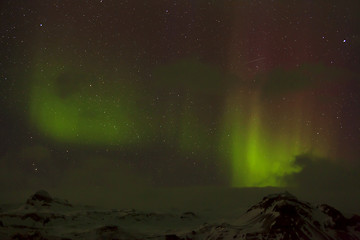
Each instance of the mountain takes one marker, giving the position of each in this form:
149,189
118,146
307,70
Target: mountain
283,216
277,216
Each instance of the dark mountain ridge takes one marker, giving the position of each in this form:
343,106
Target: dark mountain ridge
278,216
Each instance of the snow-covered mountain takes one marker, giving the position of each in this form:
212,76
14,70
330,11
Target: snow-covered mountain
277,216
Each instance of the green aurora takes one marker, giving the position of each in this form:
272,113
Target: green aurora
83,116
259,158
266,139
256,153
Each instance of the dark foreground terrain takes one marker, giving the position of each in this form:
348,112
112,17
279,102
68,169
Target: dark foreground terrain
277,216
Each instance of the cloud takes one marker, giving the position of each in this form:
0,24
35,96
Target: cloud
192,75
19,168
328,181
101,181
88,179
280,81
109,182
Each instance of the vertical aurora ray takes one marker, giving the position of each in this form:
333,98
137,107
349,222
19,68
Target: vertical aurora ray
264,143
267,137
255,151
237,151
283,111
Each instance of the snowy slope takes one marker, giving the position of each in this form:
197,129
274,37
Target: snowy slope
278,216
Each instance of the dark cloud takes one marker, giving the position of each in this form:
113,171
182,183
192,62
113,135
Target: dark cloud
93,179
20,169
101,181
109,182
326,180
194,76
281,81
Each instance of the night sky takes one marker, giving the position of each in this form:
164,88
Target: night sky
124,95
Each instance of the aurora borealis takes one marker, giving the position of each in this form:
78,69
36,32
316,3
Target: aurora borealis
178,93
79,114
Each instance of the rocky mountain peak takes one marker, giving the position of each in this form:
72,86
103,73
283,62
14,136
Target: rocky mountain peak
43,198
283,203
42,195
